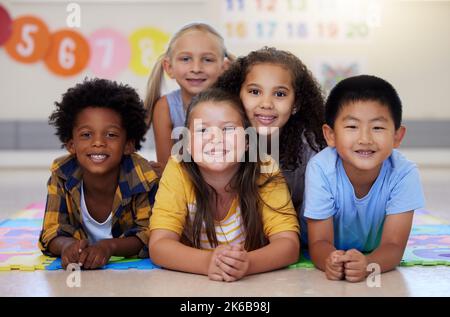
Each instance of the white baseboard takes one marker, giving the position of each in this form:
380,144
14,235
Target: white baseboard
429,157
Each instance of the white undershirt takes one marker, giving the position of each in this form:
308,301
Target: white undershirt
95,231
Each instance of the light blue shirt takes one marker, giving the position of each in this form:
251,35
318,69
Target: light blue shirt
176,109
358,222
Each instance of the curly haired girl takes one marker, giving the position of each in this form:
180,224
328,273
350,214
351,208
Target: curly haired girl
281,97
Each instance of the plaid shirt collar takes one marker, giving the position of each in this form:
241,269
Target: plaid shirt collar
129,184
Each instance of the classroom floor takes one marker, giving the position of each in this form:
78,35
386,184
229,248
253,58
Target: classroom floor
19,188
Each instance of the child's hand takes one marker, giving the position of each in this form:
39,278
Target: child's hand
355,266
157,167
214,272
95,256
71,252
334,265
234,263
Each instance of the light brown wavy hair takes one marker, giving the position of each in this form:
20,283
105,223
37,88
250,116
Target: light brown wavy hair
246,183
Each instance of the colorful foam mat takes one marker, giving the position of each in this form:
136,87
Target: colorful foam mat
428,245
18,245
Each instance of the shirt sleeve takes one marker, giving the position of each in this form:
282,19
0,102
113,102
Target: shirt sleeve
142,207
319,200
56,219
407,194
170,209
278,213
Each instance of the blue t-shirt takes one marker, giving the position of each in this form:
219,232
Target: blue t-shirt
358,222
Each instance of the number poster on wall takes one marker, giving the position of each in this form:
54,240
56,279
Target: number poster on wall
275,21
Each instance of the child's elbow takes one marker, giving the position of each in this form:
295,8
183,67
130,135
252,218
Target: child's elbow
156,249
153,250
293,249
154,254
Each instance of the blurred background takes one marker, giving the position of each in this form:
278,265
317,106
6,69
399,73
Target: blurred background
48,46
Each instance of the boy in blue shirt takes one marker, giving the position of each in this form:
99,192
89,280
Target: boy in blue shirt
360,193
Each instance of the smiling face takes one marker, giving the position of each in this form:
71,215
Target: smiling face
268,96
195,62
217,136
364,135
99,141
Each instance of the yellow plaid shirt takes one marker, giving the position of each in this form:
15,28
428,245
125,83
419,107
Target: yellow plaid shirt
132,205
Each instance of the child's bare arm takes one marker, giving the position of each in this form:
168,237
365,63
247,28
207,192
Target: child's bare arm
162,129
321,248
236,263
320,241
395,235
58,244
167,251
98,255
283,249
233,263
68,248
126,247
388,255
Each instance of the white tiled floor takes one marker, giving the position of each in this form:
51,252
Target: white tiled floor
21,187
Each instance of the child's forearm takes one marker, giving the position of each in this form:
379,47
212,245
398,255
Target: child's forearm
387,256
58,244
126,247
172,254
319,252
277,254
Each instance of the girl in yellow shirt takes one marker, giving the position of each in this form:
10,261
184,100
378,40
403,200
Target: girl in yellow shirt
218,212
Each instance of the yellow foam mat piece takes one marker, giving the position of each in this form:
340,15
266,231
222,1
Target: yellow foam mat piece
26,262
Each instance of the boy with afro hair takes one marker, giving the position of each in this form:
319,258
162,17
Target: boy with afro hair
100,195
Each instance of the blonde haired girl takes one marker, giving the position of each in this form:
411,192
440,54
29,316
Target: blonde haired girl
196,56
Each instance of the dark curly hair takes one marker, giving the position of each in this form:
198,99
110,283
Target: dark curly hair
309,101
100,93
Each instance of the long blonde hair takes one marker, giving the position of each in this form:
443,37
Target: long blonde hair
157,75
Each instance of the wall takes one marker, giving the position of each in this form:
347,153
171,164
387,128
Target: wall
410,48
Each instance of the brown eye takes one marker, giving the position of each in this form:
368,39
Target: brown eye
200,130
112,135
280,94
85,135
229,129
